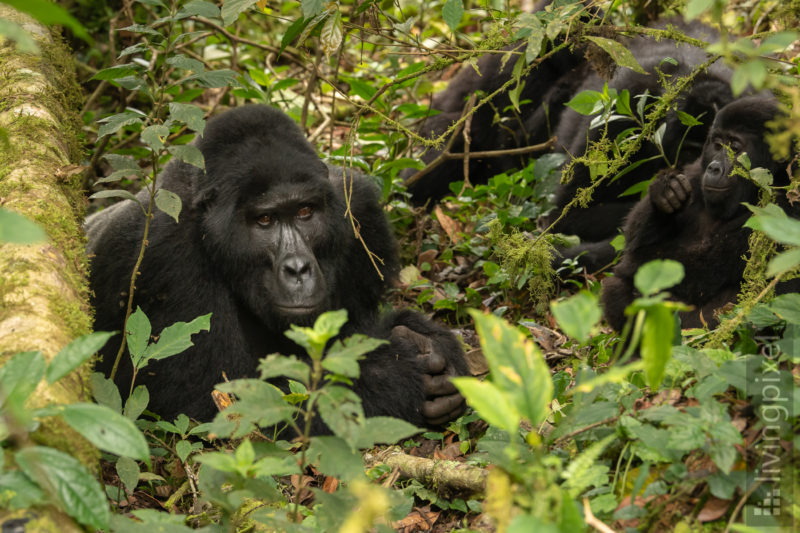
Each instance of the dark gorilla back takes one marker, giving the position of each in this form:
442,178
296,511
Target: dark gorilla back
263,242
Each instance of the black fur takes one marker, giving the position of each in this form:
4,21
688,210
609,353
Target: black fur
258,274
599,223
696,217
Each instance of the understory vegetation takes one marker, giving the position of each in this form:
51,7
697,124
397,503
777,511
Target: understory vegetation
571,426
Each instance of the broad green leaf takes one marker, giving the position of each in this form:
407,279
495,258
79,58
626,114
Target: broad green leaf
232,8
656,346
336,458
578,314
311,8
325,328
621,55
105,392
342,358
121,162
75,353
106,429
695,8
188,154
116,193
136,402
295,28
340,408
50,14
139,330
214,79
535,39
128,472
186,63
154,136
586,102
176,338
491,403
658,275
116,122
384,430
201,8
183,448
65,479
17,33
452,12
275,365
687,119
783,261
19,377
777,42
517,366
260,403
753,72
169,202
17,229
330,37
775,223
118,71
22,492
787,306
189,114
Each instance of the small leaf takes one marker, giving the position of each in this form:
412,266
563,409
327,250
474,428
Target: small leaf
169,202
17,33
586,102
76,490
695,8
136,402
106,429
186,63
183,449
17,229
154,136
330,37
232,8
116,193
116,122
311,8
188,154
19,377
621,55
75,353
656,344
214,79
176,338
139,330
105,392
201,8
118,71
577,315
658,275
385,430
189,114
452,12
128,472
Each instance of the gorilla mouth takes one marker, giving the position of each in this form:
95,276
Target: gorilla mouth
297,310
715,189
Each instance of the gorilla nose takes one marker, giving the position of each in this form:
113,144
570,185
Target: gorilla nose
296,268
714,169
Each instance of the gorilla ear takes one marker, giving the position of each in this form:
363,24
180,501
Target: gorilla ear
202,199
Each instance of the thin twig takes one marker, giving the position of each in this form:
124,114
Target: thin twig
592,520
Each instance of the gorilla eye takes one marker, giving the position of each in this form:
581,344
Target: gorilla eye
305,212
264,220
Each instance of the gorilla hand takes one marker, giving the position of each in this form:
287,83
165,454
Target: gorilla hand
443,402
670,191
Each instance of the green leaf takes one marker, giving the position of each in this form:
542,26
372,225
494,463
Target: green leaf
687,119
188,154
385,430
105,392
695,8
214,79
335,458
777,42
136,402
118,71
186,63
106,429
325,328
116,122
783,261
621,55
17,229
330,37
128,472
773,221
517,366
311,8
65,479
275,365
22,493
19,377
139,330
656,346
452,12
259,402
577,315
295,29
491,403
201,8
232,8
176,338
154,136
189,114
584,471
75,353
116,193
658,275
183,449
50,14
787,306
15,32
342,358
169,202
586,102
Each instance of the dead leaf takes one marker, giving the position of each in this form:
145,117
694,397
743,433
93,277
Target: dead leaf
450,226
330,484
428,256
713,509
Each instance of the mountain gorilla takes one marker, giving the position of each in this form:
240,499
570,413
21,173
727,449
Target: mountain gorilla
264,242
696,217
599,222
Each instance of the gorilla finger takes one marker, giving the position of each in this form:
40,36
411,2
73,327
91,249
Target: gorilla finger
662,204
677,188
443,405
422,342
432,362
684,182
452,415
672,200
438,385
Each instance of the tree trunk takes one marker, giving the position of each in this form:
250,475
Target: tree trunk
43,288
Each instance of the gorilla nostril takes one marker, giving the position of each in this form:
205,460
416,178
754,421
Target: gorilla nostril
297,267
